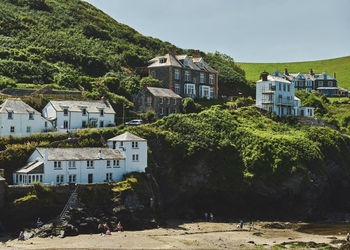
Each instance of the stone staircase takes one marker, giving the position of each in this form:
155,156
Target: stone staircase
72,202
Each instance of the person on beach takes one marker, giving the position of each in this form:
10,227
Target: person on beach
38,222
105,226
241,224
206,216
108,232
211,217
119,227
21,236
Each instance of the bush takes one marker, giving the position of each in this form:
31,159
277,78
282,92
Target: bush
189,106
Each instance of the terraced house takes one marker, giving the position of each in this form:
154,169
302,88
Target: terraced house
323,83
188,76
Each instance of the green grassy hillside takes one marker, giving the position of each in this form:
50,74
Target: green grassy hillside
339,65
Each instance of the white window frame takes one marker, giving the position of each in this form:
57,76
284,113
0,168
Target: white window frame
135,144
201,78
187,76
211,79
177,88
135,157
190,89
177,74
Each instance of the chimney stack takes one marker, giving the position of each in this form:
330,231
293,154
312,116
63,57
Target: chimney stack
264,76
311,72
100,154
286,72
334,75
172,50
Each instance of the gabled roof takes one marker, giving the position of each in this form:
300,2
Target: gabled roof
177,61
80,154
275,79
17,107
127,137
163,92
36,167
90,106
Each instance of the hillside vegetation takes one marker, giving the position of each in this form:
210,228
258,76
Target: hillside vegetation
72,44
339,65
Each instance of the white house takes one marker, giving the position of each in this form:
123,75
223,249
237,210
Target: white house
133,148
79,114
85,165
276,95
19,119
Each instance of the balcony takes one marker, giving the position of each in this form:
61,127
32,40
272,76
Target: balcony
269,90
285,102
267,101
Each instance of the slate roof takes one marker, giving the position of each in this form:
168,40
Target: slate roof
162,92
127,137
36,167
275,79
177,61
17,107
80,154
91,106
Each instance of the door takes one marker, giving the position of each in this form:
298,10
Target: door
65,124
90,178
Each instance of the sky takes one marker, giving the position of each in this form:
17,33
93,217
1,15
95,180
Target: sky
247,30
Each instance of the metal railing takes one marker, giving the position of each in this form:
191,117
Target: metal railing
72,199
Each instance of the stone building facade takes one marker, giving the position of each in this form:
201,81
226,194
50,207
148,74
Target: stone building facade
187,76
160,100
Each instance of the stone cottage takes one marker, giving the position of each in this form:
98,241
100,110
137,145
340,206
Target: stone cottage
160,100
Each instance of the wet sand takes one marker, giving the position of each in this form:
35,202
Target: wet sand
195,235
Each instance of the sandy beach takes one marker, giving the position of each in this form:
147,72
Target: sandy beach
177,235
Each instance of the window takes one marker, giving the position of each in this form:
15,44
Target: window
288,88
57,165
154,75
45,124
59,179
65,112
284,87
90,164
65,124
28,129
71,164
177,89
135,144
174,101
211,92
177,74
204,91
168,100
161,111
83,124
12,129
149,101
161,100
201,80
72,178
190,90
162,60
116,164
101,112
29,179
101,124
135,157
108,164
121,144
211,79
320,84
41,178
109,177
83,111
279,86
187,76
31,116
10,115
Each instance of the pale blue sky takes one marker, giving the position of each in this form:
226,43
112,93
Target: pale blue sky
247,30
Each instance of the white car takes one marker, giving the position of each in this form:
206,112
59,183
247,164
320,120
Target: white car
134,123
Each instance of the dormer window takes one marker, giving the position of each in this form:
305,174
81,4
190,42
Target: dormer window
83,111
101,112
162,60
65,111
31,115
10,115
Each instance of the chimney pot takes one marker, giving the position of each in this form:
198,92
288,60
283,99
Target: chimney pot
334,75
264,76
286,72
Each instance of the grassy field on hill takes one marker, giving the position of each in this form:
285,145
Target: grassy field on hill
339,65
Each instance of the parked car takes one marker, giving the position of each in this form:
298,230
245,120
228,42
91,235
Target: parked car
134,123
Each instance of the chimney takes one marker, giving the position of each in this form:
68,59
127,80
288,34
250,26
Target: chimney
99,154
264,76
334,75
311,72
172,50
286,72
